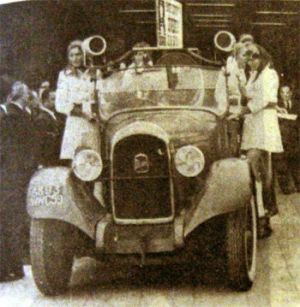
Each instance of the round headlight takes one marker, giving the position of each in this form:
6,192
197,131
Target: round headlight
189,161
87,165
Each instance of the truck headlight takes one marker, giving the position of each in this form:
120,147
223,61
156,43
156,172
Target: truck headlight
189,161
87,165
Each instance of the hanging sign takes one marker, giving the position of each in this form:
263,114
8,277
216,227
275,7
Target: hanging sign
169,29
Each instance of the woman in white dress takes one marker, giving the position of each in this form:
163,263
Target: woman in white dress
75,98
261,133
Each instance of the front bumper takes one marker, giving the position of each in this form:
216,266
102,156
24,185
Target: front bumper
112,238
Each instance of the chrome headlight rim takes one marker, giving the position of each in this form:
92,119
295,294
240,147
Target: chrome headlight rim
189,161
82,165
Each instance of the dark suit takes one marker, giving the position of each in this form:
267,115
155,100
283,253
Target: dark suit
17,163
49,133
294,108
287,163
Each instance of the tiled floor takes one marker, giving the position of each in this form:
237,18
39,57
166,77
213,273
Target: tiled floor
277,282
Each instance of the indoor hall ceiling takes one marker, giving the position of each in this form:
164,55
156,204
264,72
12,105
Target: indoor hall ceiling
232,13
220,14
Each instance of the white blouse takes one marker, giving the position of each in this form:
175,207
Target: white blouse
79,131
261,127
73,89
262,91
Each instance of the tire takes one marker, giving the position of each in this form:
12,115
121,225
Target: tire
241,247
52,249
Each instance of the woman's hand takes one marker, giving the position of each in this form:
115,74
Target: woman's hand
77,110
91,117
242,86
242,112
233,116
281,110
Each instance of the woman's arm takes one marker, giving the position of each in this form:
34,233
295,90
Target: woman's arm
221,92
266,91
62,103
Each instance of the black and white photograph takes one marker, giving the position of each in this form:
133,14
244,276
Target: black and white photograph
150,153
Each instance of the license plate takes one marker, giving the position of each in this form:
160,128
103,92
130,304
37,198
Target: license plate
46,195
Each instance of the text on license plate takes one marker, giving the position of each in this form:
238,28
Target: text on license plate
51,195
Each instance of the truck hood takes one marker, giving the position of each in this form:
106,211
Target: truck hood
182,127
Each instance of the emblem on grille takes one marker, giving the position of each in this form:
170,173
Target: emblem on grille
141,163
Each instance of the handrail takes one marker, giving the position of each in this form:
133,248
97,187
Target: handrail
199,57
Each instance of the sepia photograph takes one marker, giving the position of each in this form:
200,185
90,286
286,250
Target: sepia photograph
150,153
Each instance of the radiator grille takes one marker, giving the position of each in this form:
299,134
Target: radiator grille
141,183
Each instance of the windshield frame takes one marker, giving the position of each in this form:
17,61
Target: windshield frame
159,108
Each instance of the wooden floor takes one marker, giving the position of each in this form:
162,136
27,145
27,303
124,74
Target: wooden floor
277,282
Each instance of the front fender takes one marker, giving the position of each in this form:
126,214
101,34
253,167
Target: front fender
227,189
54,193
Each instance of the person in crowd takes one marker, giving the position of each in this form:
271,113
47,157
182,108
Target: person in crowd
3,109
233,74
33,104
133,78
16,146
6,82
141,58
228,94
61,118
287,163
227,90
45,85
286,104
49,131
75,98
32,109
261,135
235,61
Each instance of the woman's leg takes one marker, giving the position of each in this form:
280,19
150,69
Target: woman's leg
269,195
261,167
254,157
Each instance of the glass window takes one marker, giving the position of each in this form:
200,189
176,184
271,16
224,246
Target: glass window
158,87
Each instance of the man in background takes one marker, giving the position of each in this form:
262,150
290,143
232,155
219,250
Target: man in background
287,163
6,82
45,85
49,127
16,154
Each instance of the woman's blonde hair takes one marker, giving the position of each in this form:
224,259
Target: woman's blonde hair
237,48
264,55
75,44
72,45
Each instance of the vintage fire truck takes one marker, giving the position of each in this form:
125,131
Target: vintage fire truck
167,167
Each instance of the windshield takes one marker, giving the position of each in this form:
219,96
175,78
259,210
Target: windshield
172,86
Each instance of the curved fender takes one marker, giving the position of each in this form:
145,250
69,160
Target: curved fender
228,188
54,193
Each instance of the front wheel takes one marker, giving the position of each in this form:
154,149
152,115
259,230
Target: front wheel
52,248
241,247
